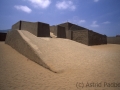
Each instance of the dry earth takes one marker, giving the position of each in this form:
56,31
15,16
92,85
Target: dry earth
101,71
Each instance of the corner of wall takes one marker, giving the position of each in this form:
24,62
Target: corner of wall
88,37
37,28
20,25
71,35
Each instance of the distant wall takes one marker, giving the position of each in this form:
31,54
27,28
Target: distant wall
59,31
70,26
88,37
37,28
67,29
3,36
80,36
64,25
75,27
96,38
43,29
113,40
53,29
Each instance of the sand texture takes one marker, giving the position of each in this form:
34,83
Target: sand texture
56,54
78,67
19,73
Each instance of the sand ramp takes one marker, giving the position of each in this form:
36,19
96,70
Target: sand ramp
53,53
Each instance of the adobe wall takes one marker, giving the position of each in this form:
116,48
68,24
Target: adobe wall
39,29
3,36
80,36
53,29
113,40
30,26
69,34
70,26
64,25
43,30
67,27
96,38
17,26
59,31
75,27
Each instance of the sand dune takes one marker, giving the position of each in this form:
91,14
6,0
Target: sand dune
98,65
78,67
57,54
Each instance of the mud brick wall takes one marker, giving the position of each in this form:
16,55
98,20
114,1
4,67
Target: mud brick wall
104,39
59,31
3,36
76,27
37,28
43,30
70,26
113,40
30,26
17,26
53,29
96,38
64,25
80,36
67,27
69,34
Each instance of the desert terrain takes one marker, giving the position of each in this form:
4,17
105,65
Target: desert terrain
102,72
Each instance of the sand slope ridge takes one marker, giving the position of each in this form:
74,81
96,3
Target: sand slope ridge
54,53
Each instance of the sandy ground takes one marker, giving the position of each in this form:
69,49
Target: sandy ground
19,73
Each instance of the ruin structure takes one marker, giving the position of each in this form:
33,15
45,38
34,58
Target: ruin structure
113,40
65,30
80,34
39,29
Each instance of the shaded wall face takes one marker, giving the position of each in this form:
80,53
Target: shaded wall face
75,27
69,34
43,30
104,39
67,31
80,36
29,26
64,25
3,36
113,40
69,25
17,26
61,33
96,39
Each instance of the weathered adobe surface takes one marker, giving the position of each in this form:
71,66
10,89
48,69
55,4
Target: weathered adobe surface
56,54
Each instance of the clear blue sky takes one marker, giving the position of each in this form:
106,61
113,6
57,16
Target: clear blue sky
102,16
